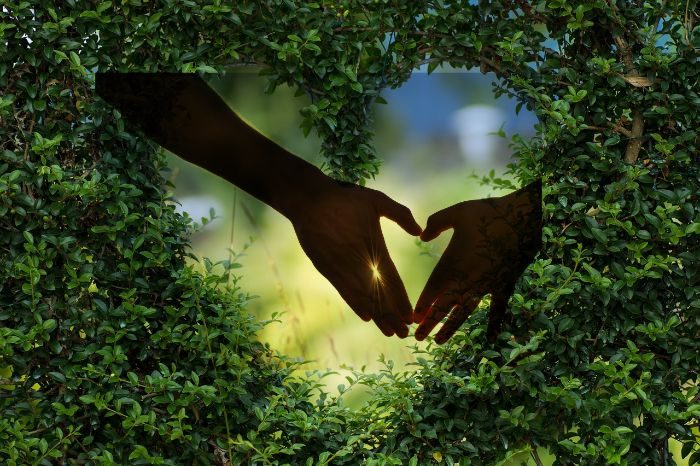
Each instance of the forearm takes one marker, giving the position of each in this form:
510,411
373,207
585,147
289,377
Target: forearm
184,115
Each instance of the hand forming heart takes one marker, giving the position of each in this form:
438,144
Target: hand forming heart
494,240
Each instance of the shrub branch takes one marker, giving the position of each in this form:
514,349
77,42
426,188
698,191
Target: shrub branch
635,143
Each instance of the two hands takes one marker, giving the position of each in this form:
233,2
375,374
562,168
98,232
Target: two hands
494,240
337,224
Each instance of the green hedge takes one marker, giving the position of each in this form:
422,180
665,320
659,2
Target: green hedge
114,351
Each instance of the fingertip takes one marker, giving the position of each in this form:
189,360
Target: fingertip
384,326
400,325
423,331
402,332
400,214
400,308
436,224
415,230
408,221
428,235
411,226
361,312
442,336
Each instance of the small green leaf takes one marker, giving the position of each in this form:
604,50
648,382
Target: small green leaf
74,58
693,228
599,235
58,377
49,324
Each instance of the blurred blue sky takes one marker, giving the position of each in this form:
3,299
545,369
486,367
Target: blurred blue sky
426,103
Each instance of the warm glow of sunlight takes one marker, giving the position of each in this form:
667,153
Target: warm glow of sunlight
375,272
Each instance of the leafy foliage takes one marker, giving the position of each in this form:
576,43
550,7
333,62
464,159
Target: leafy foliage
114,351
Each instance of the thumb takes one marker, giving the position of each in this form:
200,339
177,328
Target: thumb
399,213
437,223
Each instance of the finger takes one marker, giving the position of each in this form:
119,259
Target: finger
389,329
440,279
457,317
388,312
395,306
399,213
396,315
371,308
360,301
392,286
440,308
437,223
385,329
382,321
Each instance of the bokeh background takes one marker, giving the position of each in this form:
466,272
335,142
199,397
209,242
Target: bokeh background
436,135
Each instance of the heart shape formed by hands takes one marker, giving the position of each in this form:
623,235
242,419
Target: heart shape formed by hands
494,240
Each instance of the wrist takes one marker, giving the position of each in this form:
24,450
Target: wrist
300,191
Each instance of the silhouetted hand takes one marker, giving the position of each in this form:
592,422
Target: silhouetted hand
494,240
340,232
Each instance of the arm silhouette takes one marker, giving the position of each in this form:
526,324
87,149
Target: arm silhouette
493,242
337,224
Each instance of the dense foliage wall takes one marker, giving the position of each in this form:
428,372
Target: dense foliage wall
114,351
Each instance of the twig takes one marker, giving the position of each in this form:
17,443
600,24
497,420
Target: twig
535,455
626,55
492,65
635,143
687,21
618,128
